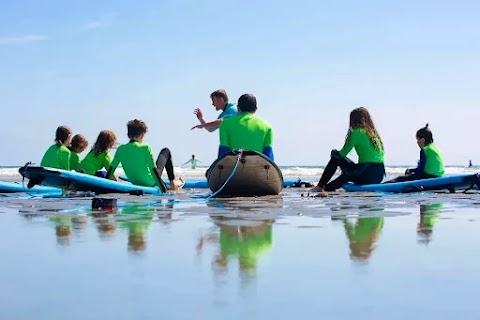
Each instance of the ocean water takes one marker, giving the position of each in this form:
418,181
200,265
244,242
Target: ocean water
181,256
309,173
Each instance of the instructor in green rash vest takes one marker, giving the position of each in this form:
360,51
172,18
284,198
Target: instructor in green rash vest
246,131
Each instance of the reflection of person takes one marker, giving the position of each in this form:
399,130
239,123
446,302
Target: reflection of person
63,229
106,224
138,219
245,242
364,138
428,217
430,164
220,102
193,162
362,235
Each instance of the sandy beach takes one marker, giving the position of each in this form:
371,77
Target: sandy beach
395,256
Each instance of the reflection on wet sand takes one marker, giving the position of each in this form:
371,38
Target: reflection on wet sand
63,229
429,214
240,240
363,235
134,217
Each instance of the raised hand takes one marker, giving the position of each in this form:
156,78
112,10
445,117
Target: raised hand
198,112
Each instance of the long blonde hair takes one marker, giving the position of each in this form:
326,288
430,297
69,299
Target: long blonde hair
360,119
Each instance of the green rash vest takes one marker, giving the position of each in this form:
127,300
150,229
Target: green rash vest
433,160
137,161
74,160
248,248
57,157
364,229
93,163
246,131
358,139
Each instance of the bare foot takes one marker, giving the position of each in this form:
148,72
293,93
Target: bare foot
177,185
322,194
316,189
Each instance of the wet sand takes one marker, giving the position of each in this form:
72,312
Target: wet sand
181,257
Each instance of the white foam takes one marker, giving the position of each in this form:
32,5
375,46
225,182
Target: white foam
289,172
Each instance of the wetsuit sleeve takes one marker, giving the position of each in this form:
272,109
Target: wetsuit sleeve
268,151
65,161
224,143
150,162
149,158
352,140
107,162
222,151
114,164
268,143
421,163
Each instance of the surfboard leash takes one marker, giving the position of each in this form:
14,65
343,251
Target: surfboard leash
239,153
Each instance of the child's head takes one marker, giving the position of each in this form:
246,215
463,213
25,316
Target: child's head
193,156
136,129
247,103
424,136
360,119
105,141
63,135
78,144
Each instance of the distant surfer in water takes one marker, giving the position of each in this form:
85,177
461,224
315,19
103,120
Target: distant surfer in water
470,163
430,164
193,162
220,102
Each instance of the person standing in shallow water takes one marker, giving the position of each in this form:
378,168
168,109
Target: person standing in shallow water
194,162
364,138
220,102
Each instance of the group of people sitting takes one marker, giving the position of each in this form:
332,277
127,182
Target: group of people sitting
364,138
239,127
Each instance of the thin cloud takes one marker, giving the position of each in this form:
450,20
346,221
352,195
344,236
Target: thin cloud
104,21
23,39
93,25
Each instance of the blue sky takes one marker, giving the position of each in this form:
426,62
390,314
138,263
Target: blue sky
94,65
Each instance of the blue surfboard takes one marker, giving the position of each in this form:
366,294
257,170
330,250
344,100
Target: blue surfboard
13,187
451,183
76,181
54,180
